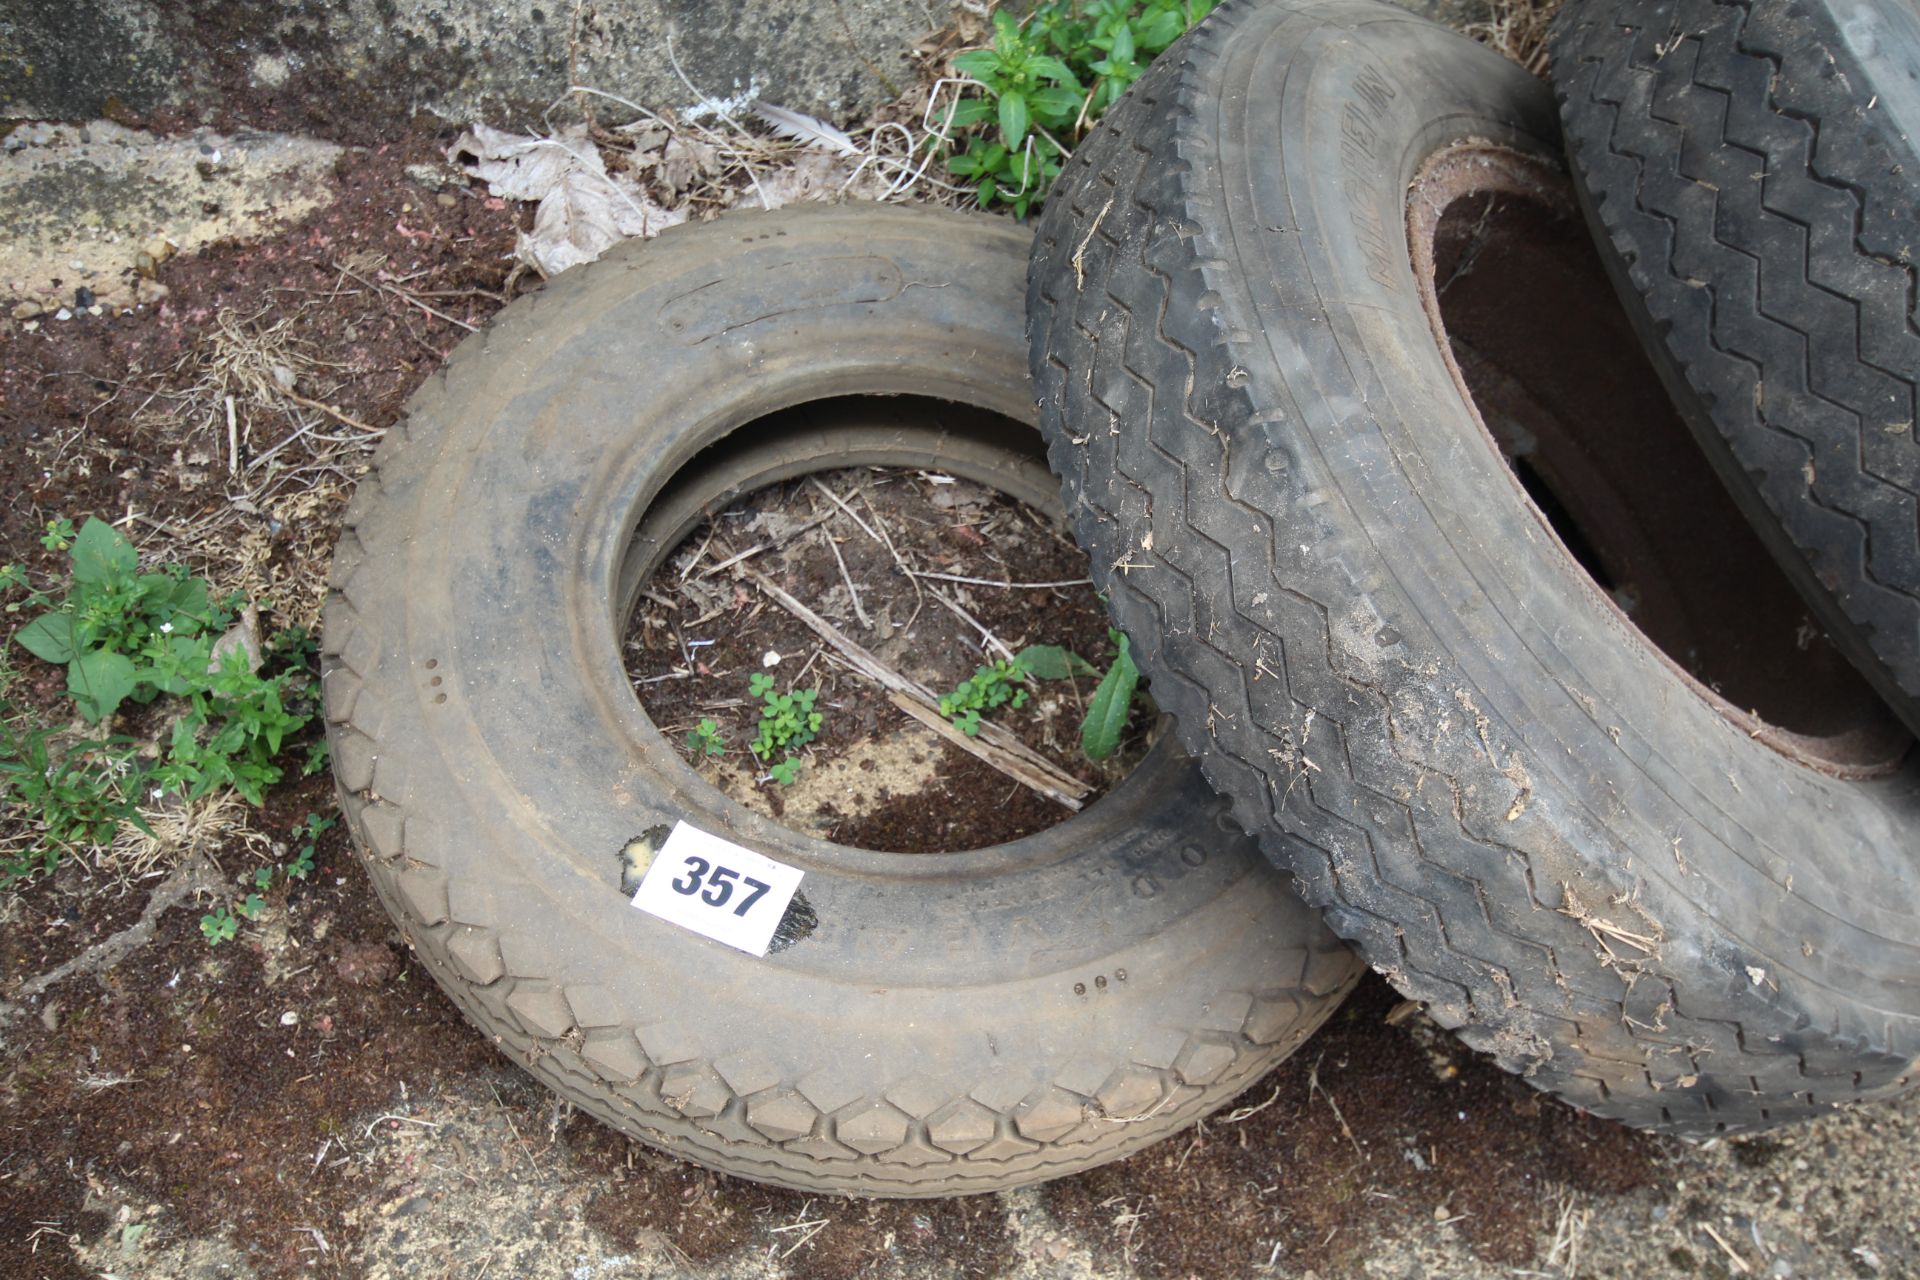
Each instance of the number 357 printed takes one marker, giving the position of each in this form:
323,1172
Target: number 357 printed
718,889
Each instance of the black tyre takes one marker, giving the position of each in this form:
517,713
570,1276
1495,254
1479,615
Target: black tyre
948,1022
1751,170
1469,704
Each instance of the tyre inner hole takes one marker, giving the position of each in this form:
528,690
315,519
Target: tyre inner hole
925,484
1552,364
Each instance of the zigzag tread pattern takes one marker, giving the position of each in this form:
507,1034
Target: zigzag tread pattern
735,1112
1219,569
1766,221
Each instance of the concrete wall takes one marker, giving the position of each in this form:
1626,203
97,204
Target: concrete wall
320,64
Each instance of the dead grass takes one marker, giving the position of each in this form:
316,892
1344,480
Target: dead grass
249,409
1518,28
180,830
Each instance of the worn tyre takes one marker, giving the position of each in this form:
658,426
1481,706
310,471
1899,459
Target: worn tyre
1752,171
1529,816
943,1023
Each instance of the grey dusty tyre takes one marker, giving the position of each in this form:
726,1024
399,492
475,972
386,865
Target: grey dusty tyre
1467,630
1752,170
943,1023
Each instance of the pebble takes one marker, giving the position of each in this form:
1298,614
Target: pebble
83,298
26,310
63,314
150,291
290,1018
436,177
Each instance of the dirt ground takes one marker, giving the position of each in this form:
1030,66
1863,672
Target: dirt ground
879,779
305,1102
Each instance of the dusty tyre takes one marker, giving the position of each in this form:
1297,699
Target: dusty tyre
948,1022
1487,769
1752,171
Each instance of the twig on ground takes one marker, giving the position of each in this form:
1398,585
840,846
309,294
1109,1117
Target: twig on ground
195,876
839,502
406,297
1739,1264
994,582
1314,1086
758,547
995,745
1016,769
1243,1113
853,592
1568,1230
696,557
379,1120
233,440
335,414
513,1128
988,640
886,540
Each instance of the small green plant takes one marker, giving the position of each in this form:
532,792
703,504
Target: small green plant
308,833
706,740
14,578
1044,80
1107,711
59,535
59,789
70,794
219,926
787,722
230,734
989,687
127,636
1000,684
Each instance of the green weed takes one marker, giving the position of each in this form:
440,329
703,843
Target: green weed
308,833
787,722
1043,82
219,926
989,687
67,793
706,740
1112,702
130,637
1001,684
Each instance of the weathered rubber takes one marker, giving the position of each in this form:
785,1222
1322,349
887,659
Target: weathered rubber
1523,814
1751,170
953,1022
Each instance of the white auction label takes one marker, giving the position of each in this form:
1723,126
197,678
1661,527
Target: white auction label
718,889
